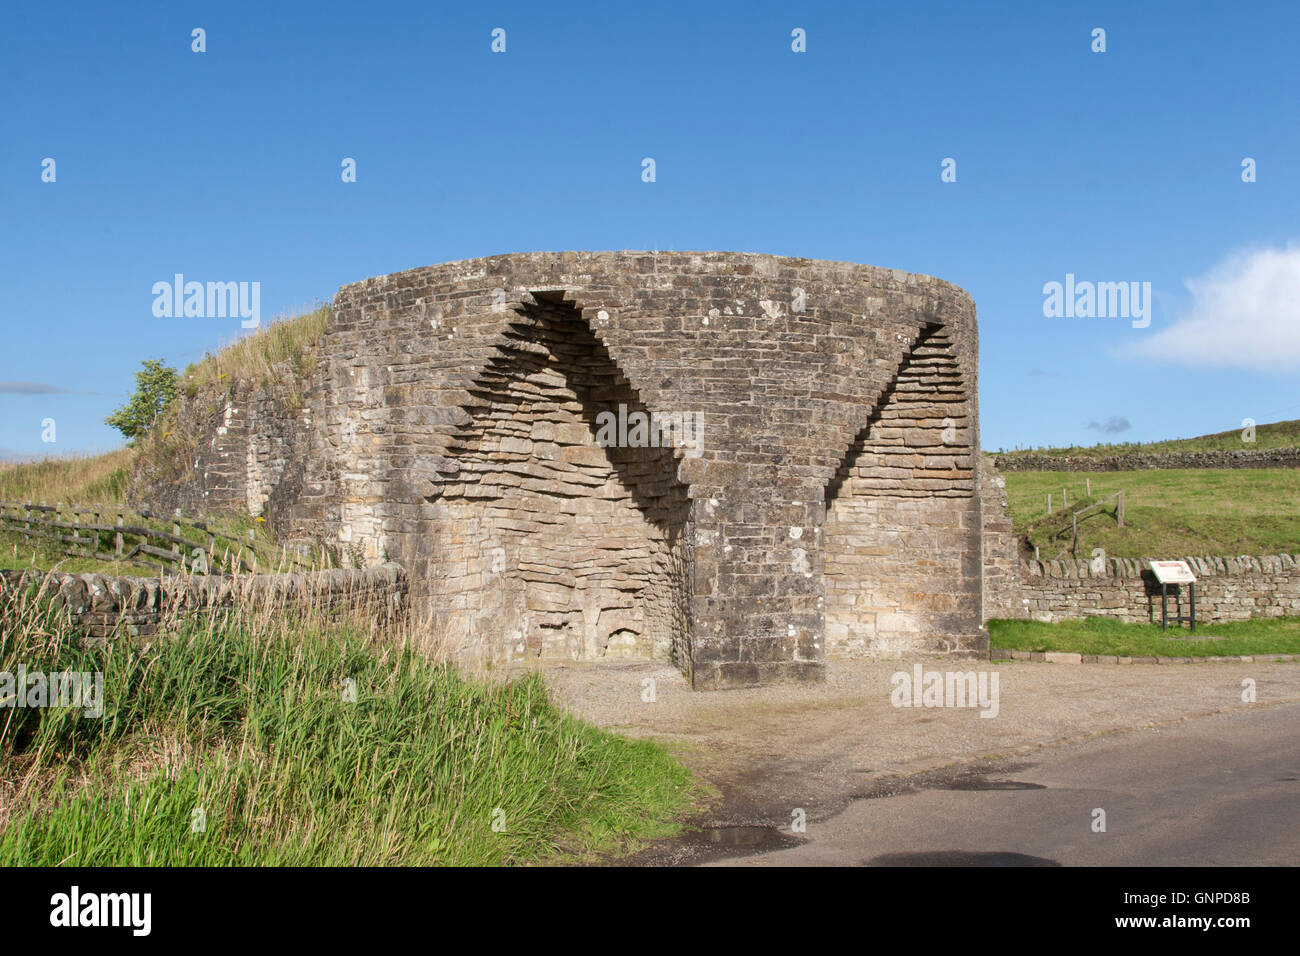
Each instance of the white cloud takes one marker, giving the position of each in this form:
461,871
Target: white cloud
1245,313
1111,426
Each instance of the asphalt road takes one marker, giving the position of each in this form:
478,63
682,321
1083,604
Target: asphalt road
1220,790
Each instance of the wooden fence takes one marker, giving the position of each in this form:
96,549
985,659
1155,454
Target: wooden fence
1073,526
112,533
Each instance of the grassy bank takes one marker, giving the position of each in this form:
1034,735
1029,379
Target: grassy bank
247,725
18,552
1097,635
104,480
1169,514
261,356
83,479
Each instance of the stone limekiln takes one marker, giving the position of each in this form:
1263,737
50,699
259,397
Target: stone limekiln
828,505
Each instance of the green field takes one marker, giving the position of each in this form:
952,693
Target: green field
1168,514
1275,435
1098,635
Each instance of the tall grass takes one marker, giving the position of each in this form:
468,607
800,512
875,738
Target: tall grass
80,479
243,722
260,356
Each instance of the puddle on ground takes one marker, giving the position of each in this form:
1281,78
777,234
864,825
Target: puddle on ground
959,858
721,841
756,839
965,779
980,783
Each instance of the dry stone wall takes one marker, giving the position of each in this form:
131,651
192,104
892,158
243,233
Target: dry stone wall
1227,589
1145,461
829,504
108,605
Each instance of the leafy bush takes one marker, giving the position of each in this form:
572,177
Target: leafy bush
156,387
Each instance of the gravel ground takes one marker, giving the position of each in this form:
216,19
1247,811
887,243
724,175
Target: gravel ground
770,750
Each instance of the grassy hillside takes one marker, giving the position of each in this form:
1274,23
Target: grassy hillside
83,479
283,347
263,355
1169,514
103,480
1276,435
296,740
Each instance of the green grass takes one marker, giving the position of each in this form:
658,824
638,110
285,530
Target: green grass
246,721
260,356
17,552
1276,435
104,480
1097,635
1168,514
75,479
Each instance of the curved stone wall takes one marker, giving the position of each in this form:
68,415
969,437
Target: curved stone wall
806,487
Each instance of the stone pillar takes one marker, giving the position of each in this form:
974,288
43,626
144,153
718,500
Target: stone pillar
758,612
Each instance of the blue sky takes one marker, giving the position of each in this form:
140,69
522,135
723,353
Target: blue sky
225,165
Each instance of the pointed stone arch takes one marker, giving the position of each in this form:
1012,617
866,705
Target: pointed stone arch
544,541
902,567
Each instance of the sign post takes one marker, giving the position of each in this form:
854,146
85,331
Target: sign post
1175,573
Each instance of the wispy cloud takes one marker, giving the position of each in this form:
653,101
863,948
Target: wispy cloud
34,388
1111,426
1245,313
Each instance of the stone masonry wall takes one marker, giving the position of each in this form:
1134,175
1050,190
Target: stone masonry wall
551,545
106,605
1227,589
449,425
250,450
1143,461
1003,597
901,559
